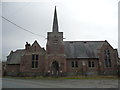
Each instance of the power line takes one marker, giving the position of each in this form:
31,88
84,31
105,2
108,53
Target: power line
21,27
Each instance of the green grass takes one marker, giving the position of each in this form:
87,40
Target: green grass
93,77
69,78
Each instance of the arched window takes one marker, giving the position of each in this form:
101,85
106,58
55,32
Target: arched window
107,58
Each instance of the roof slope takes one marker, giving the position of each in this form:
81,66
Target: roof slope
73,49
82,49
15,57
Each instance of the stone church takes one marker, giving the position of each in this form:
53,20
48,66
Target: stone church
63,57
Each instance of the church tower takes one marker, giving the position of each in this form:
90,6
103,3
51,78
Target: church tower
56,62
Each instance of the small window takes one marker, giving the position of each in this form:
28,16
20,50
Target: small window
91,64
76,63
72,64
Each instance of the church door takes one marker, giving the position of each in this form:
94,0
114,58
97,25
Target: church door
55,68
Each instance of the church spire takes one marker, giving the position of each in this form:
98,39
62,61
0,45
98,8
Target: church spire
55,22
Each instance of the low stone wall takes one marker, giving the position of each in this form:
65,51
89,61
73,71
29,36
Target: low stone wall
12,74
46,74
108,73
80,73
30,74
92,73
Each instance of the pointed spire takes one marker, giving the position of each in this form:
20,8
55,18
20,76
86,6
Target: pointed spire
55,22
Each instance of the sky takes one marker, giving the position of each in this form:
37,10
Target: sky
79,20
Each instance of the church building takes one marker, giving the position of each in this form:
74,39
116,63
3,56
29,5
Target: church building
63,57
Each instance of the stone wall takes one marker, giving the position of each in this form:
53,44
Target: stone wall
12,70
26,64
114,59
83,68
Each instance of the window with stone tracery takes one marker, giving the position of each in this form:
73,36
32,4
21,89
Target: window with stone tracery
34,61
107,58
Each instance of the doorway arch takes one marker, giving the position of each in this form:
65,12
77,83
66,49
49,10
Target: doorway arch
55,68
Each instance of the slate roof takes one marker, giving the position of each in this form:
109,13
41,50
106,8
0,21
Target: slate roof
73,49
15,57
82,49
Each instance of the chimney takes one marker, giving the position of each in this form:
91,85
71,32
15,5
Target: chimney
27,46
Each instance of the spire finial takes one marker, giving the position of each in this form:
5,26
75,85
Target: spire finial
55,21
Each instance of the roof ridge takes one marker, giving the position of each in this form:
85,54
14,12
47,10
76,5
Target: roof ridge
85,41
20,49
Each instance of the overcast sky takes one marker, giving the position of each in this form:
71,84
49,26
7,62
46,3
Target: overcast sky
93,20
